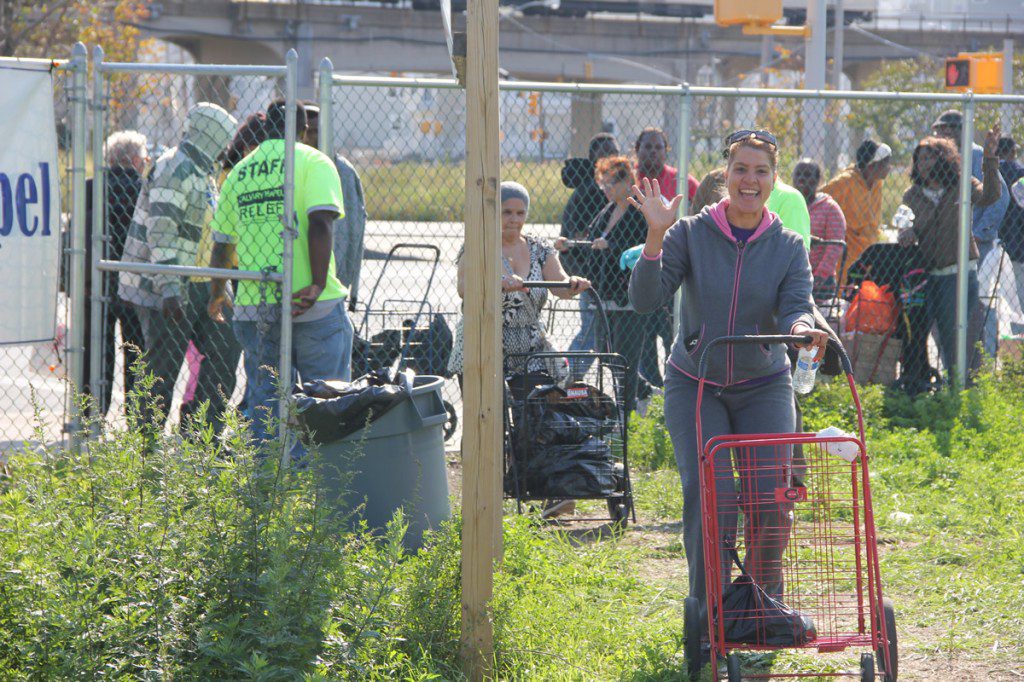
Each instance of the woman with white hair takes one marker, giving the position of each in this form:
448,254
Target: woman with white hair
125,156
524,257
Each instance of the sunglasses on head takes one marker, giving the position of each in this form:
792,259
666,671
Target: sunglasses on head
762,135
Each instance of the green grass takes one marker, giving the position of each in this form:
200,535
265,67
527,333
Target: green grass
151,557
410,191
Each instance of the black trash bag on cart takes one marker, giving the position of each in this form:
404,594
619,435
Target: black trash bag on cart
379,353
558,445
429,347
582,470
752,616
329,410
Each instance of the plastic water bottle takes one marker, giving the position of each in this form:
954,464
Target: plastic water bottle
806,369
903,218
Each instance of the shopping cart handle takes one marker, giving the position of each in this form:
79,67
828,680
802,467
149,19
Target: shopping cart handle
769,338
540,284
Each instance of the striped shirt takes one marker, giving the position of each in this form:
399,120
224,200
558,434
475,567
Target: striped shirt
168,223
827,222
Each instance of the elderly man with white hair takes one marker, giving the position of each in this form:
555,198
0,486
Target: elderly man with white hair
176,202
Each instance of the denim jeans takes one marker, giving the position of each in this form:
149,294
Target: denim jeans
659,326
941,305
585,339
321,349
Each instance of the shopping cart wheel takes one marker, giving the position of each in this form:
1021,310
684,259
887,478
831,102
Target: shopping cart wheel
452,422
867,668
691,629
619,511
889,613
732,667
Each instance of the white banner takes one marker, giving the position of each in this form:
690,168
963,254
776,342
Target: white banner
29,206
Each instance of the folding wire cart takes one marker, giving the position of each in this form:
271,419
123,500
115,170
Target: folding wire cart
811,578
405,330
565,438
830,302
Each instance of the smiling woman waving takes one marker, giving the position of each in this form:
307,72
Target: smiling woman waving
739,272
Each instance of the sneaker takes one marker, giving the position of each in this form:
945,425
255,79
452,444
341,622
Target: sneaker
558,508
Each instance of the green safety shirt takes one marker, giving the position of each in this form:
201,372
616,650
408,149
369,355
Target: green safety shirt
249,216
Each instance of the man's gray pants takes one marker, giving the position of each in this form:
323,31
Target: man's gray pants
763,408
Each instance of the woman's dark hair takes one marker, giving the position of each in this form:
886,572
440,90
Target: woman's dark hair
602,145
250,134
650,130
754,143
275,118
865,153
947,162
614,169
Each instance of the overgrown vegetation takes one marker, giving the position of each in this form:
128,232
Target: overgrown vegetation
185,557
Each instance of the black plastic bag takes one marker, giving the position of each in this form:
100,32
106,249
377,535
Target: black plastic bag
329,410
379,353
581,470
752,616
429,347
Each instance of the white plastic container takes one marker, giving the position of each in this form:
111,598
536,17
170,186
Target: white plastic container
846,450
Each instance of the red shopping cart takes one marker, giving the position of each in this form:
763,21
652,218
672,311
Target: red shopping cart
811,576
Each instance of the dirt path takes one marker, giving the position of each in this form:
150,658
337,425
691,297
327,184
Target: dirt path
921,659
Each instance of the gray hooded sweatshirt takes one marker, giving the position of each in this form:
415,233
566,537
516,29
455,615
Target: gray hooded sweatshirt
728,288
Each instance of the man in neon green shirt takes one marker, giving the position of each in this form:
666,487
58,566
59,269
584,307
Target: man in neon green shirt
791,207
248,222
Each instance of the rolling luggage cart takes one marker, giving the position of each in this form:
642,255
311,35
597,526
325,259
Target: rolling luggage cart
830,303
811,578
403,331
565,435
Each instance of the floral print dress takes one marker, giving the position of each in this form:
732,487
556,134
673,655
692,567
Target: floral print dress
522,331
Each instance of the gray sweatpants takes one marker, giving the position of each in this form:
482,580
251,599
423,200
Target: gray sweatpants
764,408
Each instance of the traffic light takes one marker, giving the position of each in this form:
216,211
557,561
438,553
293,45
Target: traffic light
742,12
980,72
958,73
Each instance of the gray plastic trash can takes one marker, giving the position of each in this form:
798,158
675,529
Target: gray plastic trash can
396,461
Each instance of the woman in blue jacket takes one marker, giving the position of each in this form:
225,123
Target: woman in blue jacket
740,272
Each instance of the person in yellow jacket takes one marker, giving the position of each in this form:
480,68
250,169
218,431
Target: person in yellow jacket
858,191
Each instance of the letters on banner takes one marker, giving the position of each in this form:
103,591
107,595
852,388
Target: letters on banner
29,206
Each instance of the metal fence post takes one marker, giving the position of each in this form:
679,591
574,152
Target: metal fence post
325,97
964,241
74,345
685,118
99,232
288,234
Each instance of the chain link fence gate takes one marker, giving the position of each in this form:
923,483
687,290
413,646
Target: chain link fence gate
33,389
172,221
405,136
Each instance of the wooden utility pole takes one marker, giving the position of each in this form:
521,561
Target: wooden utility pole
482,352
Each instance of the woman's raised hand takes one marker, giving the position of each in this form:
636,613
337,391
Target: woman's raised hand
992,140
659,215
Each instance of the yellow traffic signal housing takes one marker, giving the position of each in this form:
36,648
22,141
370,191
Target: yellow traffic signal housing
747,12
980,72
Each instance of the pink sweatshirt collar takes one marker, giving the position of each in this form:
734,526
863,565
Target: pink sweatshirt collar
717,213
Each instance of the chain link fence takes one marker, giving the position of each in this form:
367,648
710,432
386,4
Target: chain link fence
845,166
851,160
